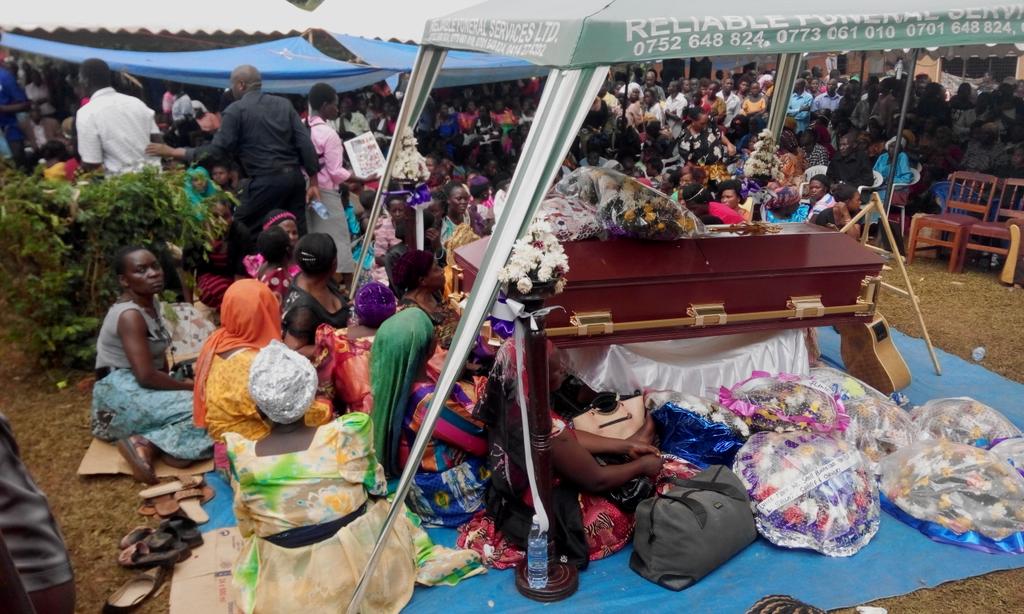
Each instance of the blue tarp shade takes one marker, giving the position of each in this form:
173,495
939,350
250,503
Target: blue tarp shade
460,67
289,65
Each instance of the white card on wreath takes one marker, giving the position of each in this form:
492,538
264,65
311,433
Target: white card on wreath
365,155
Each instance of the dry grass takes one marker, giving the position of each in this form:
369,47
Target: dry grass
962,311
52,426
50,417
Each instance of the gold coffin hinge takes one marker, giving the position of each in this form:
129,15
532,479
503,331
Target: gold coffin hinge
589,323
806,306
708,314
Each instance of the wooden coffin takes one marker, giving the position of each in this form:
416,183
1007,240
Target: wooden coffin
626,291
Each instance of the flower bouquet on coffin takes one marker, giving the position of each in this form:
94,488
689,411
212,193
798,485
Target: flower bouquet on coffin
538,261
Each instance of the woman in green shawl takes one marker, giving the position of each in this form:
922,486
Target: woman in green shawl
198,186
452,476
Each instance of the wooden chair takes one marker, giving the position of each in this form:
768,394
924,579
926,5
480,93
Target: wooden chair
967,203
993,237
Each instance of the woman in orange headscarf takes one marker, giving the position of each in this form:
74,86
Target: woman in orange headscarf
250,319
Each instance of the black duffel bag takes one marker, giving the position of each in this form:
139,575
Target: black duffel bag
688,532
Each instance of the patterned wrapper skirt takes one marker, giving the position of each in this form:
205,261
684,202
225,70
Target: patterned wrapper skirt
121,408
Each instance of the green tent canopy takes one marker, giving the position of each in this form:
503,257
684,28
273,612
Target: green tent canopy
600,32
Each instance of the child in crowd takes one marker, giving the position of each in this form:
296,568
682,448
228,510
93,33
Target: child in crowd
276,249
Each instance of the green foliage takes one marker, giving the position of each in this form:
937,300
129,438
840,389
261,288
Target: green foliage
57,242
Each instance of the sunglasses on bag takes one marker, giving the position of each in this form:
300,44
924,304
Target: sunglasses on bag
608,402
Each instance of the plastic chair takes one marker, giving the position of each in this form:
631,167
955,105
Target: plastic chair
877,181
901,190
996,234
965,203
809,174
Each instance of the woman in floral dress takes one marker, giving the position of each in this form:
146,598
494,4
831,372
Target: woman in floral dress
309,503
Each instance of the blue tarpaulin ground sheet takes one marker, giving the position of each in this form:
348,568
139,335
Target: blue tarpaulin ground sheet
898,560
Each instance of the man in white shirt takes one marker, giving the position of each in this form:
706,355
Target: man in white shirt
733,101
351,119
675,106
829,101
113,129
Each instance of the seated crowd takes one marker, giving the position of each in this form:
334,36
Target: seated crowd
311,402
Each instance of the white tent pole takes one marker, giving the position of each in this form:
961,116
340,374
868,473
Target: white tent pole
563,106
786,71
424,73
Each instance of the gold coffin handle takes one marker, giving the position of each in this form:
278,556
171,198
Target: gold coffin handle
708,314
589,323
806,306
457,280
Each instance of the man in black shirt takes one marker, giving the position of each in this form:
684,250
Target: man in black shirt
272,144
850,165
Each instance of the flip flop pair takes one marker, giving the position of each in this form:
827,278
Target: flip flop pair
185,496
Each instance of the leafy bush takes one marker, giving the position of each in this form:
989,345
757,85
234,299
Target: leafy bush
56,247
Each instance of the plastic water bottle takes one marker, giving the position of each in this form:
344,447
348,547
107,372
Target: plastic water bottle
320,209
978,354
537,556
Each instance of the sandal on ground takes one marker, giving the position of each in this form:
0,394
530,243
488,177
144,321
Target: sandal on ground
133,451
135,591
190,501
141,555
185,529
135,535
173,486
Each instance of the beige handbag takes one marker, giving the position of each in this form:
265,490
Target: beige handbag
612,416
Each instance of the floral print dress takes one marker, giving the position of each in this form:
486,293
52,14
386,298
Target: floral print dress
333,478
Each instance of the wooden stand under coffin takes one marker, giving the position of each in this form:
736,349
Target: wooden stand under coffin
627,291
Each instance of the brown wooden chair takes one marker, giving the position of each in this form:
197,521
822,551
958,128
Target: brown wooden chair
967,203
994,237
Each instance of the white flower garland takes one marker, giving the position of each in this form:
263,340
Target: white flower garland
762,161
409,164
537,257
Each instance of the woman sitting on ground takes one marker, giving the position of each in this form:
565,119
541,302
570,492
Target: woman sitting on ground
310,503
249,322
419,282
219,267
589,525
135,402
847,205
314,298
451,480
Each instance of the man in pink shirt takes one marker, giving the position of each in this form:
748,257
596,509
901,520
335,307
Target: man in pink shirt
323,103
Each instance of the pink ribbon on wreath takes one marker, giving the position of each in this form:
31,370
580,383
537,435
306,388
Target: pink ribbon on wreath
746,409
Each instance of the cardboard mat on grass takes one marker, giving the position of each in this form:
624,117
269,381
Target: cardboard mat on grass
202,584
103,459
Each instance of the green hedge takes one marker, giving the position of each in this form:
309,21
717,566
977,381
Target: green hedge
57,241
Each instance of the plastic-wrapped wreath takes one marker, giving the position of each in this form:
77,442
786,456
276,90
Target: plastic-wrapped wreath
784,403
843,385
1012,451
956,493
628,208
878,428
809,490
963,420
